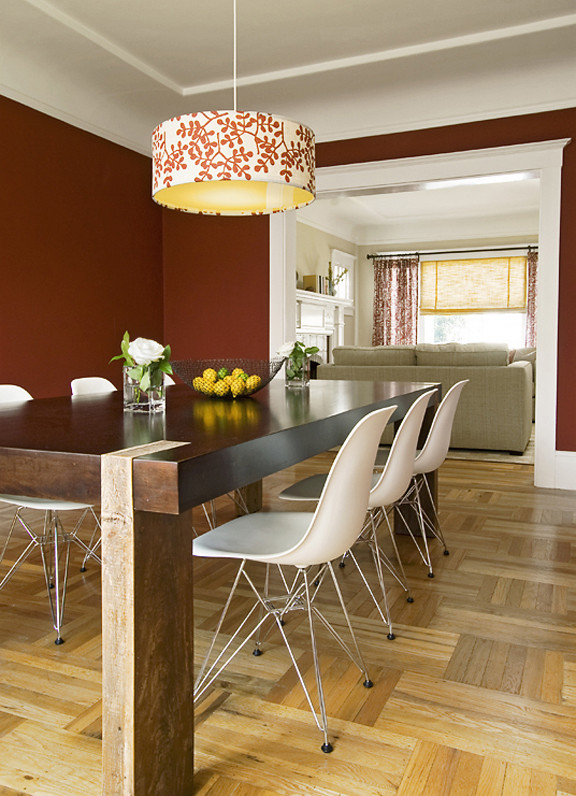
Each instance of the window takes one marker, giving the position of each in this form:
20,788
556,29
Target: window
343,273
480,299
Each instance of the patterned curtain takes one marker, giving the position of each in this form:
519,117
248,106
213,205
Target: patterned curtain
532,263
395,300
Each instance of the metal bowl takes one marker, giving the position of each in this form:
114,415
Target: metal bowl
204,375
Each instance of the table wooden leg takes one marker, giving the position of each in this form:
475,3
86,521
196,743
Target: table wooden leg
147,646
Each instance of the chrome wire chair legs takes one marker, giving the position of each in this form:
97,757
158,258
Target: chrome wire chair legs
54,545
92,549
298,595
428,525
53,542
209,509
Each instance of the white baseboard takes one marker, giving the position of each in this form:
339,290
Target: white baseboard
565,470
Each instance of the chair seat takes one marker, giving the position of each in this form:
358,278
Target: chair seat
43,504
311,488
263,536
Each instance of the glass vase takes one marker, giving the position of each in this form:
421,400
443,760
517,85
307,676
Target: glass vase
138,400
297,375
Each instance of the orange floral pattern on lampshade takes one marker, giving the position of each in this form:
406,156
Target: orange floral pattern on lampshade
228,147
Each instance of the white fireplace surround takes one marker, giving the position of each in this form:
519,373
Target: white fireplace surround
320,321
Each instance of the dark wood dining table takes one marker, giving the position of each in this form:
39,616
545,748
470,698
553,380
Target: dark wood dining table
147,473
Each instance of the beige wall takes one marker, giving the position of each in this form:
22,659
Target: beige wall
313,248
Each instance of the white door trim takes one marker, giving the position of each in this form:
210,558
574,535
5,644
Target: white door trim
553,469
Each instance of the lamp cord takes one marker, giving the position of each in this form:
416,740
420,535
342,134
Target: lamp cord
235,60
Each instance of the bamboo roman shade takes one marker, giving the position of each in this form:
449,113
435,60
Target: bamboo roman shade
479,285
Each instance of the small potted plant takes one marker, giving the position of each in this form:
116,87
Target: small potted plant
145,364
297,363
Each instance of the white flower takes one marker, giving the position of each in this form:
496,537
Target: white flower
286,349
144,351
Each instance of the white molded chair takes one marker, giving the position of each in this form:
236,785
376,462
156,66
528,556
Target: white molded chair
50,534
303,540
430,458
90,385
387,487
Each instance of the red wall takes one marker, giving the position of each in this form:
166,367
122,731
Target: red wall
494,133
80,252
86,254
216,285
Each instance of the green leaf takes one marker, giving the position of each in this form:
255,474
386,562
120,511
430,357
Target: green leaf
145,381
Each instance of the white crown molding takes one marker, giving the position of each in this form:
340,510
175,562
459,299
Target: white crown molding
74,121
101,41
343,133
405,230
329,229
391,54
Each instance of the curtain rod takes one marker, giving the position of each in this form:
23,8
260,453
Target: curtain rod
452,251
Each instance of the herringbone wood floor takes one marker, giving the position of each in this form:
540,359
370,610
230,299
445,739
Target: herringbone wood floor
477,694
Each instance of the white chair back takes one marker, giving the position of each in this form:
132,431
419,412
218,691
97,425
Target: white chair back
397,474
168,380
341,510
90,385
437,442
12,393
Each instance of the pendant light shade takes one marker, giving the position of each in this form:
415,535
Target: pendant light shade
232,163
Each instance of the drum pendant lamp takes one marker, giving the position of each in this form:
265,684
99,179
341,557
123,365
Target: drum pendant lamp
233,163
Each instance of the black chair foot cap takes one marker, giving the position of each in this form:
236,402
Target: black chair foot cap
368,684
282,622
341,565
409,599
430,574
327,747
316,584
446,552
82,569
256,652
391,636
59,641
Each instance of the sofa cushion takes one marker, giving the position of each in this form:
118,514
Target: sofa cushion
374,355
462,354
526,355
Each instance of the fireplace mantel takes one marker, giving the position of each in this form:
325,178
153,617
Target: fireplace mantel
320,320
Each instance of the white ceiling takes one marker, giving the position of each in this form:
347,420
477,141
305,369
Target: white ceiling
118,67
437,212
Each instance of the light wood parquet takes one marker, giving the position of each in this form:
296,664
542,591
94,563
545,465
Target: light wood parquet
476,695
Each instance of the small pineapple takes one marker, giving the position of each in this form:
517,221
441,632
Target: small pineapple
221,388
252,383
202,385
210,375
237,387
